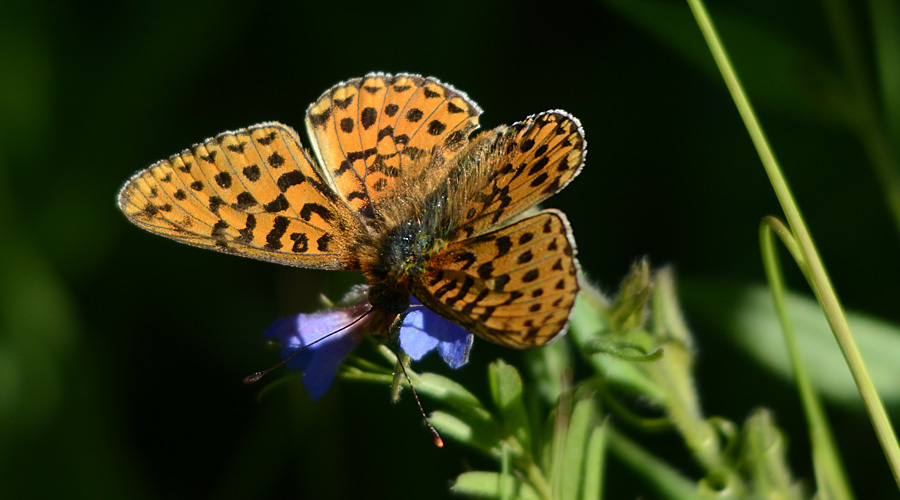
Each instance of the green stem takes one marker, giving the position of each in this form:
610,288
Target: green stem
824,449
537,479
684,408
817,276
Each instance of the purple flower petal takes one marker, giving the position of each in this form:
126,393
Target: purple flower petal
422,331
319,362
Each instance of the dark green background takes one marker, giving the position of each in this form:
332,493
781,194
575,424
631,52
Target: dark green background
122,353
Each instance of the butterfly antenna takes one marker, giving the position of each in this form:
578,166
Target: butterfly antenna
249,379
435,437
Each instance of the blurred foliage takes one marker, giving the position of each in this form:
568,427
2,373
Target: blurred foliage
121,353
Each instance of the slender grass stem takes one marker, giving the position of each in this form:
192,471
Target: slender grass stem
824,449
817,276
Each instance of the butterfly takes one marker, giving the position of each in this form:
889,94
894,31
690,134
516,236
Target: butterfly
399,184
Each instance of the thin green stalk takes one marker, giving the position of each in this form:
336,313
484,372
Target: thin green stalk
684,410
817,276
824,449
537,479
505,477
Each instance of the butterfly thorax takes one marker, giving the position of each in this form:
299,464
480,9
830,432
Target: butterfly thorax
419,220
402,253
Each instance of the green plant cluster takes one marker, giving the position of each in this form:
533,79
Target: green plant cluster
550,431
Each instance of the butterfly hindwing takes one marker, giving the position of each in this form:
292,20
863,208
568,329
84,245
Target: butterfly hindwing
253,192
514,286
368,131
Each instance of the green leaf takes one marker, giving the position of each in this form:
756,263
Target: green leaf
594,463
506,390
452,394
484,437
587,325
668,320
763,458
746,316
482,484
629,310
580,425
554,457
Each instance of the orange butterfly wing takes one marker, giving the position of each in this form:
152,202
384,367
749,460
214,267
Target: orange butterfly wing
514,286
369,131
252,192
539,157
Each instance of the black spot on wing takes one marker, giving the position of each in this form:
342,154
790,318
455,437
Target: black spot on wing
525,257
223,179
463,291
288,179
538,165
237,148
320,119
322,242
301,242
214,203
279,204
468,257
275,160
252,173
343,103
367,118
245,200
270,137
436,127
453,108
446,287
485,270
279,227
314,208
414,115
218,230
246,234
503,245
210,158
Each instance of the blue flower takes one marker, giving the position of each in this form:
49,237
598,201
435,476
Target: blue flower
420,332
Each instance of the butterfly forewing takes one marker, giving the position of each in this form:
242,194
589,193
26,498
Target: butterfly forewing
252,192
537,158
514,286
368,131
